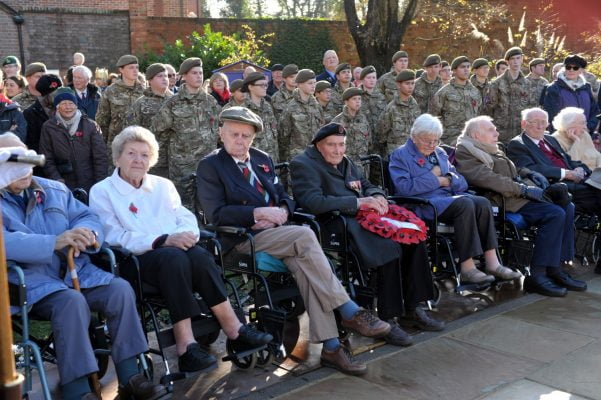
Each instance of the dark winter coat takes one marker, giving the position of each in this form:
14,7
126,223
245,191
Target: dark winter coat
559,95
11,115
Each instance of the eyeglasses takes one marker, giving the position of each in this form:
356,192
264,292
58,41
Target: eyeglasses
430,143
571,67
171,75
263,85
539,122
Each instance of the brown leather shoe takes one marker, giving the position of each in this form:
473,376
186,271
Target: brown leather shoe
367,324
342,360
140,388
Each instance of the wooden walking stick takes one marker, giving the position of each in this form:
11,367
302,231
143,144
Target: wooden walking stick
94,381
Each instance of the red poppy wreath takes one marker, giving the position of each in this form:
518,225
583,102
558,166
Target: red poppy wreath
398,224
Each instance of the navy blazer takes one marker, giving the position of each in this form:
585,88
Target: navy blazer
324,76
526,154
227,198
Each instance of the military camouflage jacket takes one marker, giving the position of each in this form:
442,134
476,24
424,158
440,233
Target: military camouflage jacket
279,100
536,90
455,104
337,102
25,98
328,111
358,133
425,90
394,125
372,106
113,108
508,98
268,139
387,84
484,89
233,103
298,123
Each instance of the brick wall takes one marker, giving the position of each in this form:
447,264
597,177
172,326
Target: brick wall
69,4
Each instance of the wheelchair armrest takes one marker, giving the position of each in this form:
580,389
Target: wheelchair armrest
229,230
302,217
121,252
410,200
371,157
205,235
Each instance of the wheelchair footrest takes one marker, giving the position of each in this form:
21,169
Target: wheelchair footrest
175,376
243,353
472,287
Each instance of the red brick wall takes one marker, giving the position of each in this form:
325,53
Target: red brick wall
69,4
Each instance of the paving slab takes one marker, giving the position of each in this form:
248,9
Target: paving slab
527,390
448,369
578,372
594,286
514,336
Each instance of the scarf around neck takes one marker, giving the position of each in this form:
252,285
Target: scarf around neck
71,124
481,151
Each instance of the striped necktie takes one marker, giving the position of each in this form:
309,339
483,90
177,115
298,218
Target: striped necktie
251,178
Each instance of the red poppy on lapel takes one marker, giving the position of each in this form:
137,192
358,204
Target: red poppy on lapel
265,167
133,209
421,162
474,103
78,134
38,197
355,185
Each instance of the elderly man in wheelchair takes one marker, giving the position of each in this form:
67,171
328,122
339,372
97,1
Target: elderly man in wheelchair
41,220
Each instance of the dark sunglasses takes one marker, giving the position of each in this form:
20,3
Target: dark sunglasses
572,67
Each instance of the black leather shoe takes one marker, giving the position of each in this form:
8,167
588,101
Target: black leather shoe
139,388
420,319
564,279
543,285
250,336
195,359
397,336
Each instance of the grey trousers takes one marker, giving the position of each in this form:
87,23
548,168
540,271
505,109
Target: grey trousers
69,314
320,289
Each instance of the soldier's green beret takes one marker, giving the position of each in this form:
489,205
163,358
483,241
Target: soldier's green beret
405,75
236,85
458,61
277,67
399,54
289,70
367,70
154,69
328,130
322,85
242,114
304,75
10,60
126,60
514,51
188,64
252,77
35,68
342,67
536,61
500,62
444,63
418,73
350,92
479,62
432,59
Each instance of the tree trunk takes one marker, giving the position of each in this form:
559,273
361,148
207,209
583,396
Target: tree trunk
380,36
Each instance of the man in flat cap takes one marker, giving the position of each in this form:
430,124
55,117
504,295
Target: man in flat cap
387,83
33,72
356,124
118,97
344,76
323,95
11,66
280,99
301,118
187,122
276,79
396,120
571,90
429,83
373,101
481,82
237,185
330,62
146,107
456,102
537,81
325,179
509,95
255,86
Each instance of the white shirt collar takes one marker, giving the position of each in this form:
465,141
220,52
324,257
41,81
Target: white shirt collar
125,188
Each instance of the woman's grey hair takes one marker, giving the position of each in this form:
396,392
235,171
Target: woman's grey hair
426,124
566,118
472,125
135,134
83,69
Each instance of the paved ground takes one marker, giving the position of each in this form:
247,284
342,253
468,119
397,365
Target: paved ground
501,345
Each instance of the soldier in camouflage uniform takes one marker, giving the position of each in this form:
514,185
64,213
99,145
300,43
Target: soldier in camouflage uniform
429,83
456,102
358,131
188,122
387,83
398,117
343,82
33,72
146,107
118,97
480,81
373,102
301,118
237,96
500,68
280,99
536,81
255,85
323,95
509,95
593,81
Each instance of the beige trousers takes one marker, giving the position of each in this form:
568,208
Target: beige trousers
320,289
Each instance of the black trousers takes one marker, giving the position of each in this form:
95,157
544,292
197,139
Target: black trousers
586,198
408,283
178,274
474,226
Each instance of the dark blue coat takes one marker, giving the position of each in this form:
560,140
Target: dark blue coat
89,105
324,76
10,115
559,95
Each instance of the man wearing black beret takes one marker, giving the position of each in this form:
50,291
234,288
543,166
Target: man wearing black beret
276,79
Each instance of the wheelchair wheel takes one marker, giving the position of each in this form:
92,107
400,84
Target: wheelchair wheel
247,362
264,357
293,307
596,248
209,339
437,291
100,344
